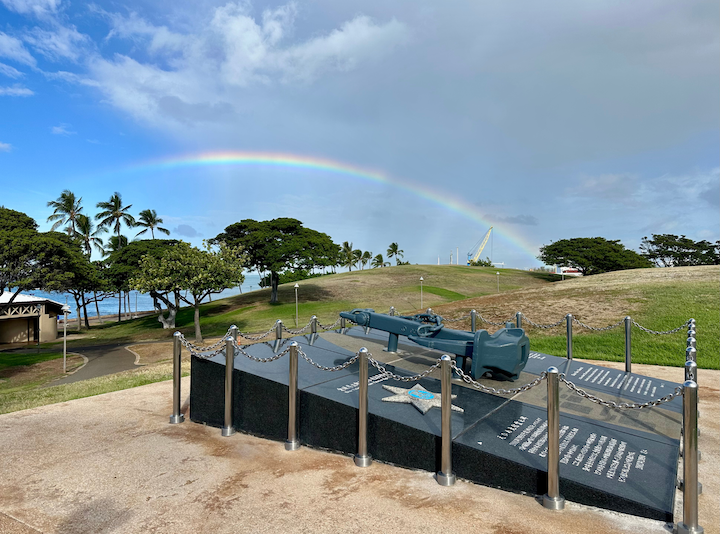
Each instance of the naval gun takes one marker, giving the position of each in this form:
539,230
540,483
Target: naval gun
502,354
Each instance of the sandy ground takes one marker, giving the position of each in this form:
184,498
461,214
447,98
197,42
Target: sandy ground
112,463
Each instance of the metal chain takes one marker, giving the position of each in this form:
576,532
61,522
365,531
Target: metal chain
257,338
621,405
330,327
261,360
501,391
192,346
658,333
380,367
204,356
297,332
322,367
621,321
553,325
490,322
458,319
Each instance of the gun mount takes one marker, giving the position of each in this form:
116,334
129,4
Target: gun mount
502,354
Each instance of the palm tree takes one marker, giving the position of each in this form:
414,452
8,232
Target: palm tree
366,257
114,213
356,256
88,235
346,255
149,219
65,210
378,261
393,250
115,243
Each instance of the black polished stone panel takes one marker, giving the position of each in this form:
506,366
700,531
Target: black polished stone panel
603,465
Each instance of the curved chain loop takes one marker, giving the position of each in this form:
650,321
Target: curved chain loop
660,333
329,327
296,332
553,325
257,338
491,322
620,405
487,389
610,327
323,368
199,348
261,360
456,320
380,367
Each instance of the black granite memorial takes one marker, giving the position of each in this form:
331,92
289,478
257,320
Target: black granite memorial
618,463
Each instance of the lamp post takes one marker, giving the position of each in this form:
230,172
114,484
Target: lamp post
38,308
66,310
296,305
498,280
421,292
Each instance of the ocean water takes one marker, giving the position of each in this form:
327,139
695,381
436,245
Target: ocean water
139,301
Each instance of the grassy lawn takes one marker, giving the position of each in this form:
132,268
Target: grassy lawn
14,359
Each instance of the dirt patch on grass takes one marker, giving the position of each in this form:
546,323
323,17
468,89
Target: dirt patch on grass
38,373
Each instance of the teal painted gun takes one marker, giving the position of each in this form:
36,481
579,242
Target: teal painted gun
502,354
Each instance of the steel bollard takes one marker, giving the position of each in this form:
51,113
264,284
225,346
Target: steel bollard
392,311
446,477
342,323
552,499
692,342
292,443
568,333
690,462
228,429
177,416
278,329
628,344
429,311
518,320
362,458
234,332
692,333
691,371
473,321
313,325
691,354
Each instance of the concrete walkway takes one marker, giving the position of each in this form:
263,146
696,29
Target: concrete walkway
112,463
101,360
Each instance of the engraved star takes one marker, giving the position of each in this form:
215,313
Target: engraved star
419,397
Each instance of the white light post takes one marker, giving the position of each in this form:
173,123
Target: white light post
498,280
66,310
421,292
296,305
38,308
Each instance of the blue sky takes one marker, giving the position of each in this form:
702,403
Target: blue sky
550,120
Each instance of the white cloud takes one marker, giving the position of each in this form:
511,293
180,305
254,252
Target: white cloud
10,72
12,48
16,90
5,147
62,42
62,129
39,8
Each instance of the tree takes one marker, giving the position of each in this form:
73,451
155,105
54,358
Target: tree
379,261
150,220
114,213
200,272
88,237
66,209
366,257
592,255
481,263
356,257
347,258
279,244
668,250
33,260
394,250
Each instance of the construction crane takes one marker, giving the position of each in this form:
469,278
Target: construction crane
480,246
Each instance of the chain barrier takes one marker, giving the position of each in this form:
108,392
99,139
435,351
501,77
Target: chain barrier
610,327
456,320
380,367
553,325
260,360
257,338
296,332
193,347
491,322
622,405
330,327
207,356
487,389
659,333
323,368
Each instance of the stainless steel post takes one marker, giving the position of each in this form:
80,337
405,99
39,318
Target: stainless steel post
473,321
552,499
569,320
177,416
692,332
362,458
228,429
313,325
692,342
392,311
628,344
234,331
292,442
518,320
429,311
691,354
691,371
445,477
278,329
690,462
342,323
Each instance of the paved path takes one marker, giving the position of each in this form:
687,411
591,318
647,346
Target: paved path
102,360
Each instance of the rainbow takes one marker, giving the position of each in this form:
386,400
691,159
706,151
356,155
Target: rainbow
270,159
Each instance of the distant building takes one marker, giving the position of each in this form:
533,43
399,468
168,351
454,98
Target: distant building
27,318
